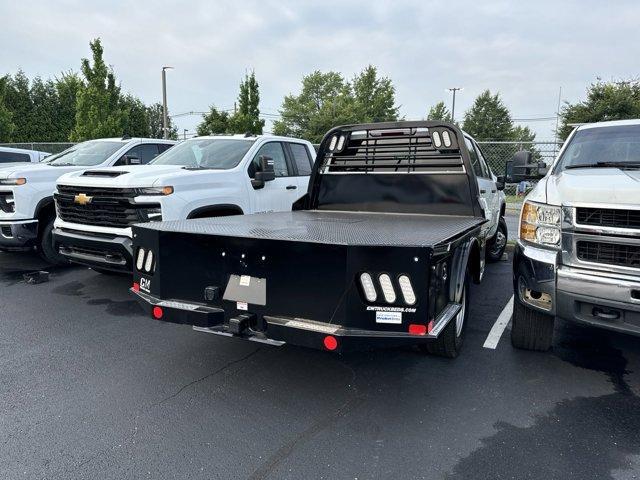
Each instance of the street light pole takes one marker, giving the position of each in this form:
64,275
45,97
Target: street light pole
165,115
453,105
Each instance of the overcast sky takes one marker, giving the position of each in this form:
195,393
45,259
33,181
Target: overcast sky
524,50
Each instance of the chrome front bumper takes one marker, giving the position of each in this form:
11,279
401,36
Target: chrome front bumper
607,300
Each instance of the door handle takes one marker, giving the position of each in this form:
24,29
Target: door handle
483,191
493,191
291,187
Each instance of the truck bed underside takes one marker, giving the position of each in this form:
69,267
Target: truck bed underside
331,227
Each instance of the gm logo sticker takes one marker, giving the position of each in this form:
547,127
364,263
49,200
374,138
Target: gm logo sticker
145,285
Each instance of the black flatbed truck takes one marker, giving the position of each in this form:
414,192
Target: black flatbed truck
380,252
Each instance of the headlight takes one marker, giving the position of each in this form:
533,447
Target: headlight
155,191
13,181
540,224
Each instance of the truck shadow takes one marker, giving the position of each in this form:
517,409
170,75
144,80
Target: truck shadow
581,437
13,265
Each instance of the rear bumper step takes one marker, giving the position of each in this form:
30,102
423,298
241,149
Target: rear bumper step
296,331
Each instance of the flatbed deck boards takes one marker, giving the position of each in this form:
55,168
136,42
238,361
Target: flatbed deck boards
330,227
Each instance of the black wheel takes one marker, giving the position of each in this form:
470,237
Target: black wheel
45,246
449,343
530,329
497,244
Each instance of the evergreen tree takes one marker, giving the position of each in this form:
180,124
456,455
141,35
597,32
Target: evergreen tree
488,118
67,87
154,115
17,99
43,116
6,117
98,112
136,117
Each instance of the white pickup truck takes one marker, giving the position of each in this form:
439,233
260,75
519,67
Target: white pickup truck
578,251
20,155
26,190
201,177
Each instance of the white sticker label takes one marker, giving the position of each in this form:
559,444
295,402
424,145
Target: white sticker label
245,280
243,306
388,317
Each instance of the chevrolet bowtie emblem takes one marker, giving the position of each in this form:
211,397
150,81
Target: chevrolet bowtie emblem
82,199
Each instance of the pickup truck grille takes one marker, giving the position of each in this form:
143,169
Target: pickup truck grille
609,253
608,217
105,207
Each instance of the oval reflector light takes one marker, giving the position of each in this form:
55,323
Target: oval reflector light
140,259
367,286
332,145
340,142
407,289
437,141
446,138
387,288
149,263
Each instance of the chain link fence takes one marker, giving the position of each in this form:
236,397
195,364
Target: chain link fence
497,153
49,147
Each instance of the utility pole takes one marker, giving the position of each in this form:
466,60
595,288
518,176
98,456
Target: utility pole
453,105
555,146
184,133
165,115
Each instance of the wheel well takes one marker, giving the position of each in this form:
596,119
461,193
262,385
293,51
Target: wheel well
474,263
45,211
215,211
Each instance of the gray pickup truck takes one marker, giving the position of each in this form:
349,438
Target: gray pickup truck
578,250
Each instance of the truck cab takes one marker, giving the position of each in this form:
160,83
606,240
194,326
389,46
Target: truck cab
578,252
27,210
203,177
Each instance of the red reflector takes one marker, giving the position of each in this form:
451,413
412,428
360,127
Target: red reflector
136,287
157,313
415,329
330,343
430,326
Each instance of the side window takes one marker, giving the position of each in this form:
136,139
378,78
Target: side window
275,151
483,163
145,152
6,157
475,161
163,147
301,157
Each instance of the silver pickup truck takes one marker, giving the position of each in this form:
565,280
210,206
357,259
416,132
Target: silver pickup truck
578,250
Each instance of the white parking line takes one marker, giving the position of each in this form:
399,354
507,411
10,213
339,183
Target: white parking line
498,328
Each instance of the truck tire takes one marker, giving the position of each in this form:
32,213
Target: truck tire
497,244
45,246
450,341
530,329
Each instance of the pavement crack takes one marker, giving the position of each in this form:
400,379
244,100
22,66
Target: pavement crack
280,455
207,376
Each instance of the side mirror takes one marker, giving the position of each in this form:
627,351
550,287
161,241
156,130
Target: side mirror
266,173
520,168
131,160
500,183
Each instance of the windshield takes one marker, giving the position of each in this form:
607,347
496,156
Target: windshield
602,145
218,153
87,154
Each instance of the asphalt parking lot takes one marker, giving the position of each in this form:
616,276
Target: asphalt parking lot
90,388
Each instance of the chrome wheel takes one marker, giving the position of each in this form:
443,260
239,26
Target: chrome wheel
499,243
460,316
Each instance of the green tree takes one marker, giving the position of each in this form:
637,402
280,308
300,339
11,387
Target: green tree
488,118
6,117
98,112
605,101
374,97
17,99
246,119
67,87
44,111
154,115
136,117
324,101
214,122
439,112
